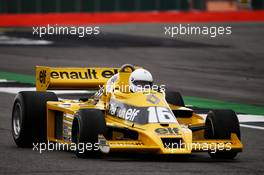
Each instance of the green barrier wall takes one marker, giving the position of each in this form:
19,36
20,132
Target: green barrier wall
199,5
46,6
257,4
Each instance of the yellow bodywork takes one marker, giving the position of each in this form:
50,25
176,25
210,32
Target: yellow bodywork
151,136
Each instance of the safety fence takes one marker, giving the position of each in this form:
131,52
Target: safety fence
58,6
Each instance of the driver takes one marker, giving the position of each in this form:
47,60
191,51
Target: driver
140,80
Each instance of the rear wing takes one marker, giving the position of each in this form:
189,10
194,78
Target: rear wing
68,78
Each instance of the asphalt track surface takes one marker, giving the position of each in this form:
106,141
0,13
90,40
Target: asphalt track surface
229,68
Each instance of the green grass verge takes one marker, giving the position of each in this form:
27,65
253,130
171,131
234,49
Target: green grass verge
217,104
22,78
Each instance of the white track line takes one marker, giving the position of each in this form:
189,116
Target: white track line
252,126
250,118
6,40
5,81
247,118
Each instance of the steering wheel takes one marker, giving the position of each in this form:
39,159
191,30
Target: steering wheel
127,68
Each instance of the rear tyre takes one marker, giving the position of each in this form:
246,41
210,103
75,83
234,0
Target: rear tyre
29,116
221,123
87,125
174,98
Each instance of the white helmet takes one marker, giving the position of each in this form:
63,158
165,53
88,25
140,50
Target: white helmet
140,80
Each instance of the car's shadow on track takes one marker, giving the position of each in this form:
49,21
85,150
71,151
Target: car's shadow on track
131,157
127,157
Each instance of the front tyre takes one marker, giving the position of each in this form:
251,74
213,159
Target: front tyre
87,125
220,124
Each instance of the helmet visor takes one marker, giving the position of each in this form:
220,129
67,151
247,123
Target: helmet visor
143,84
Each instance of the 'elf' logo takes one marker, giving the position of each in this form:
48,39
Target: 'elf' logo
42,76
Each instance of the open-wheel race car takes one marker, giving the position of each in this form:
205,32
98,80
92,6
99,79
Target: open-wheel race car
123,115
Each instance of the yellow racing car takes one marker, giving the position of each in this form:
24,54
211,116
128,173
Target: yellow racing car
127,113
